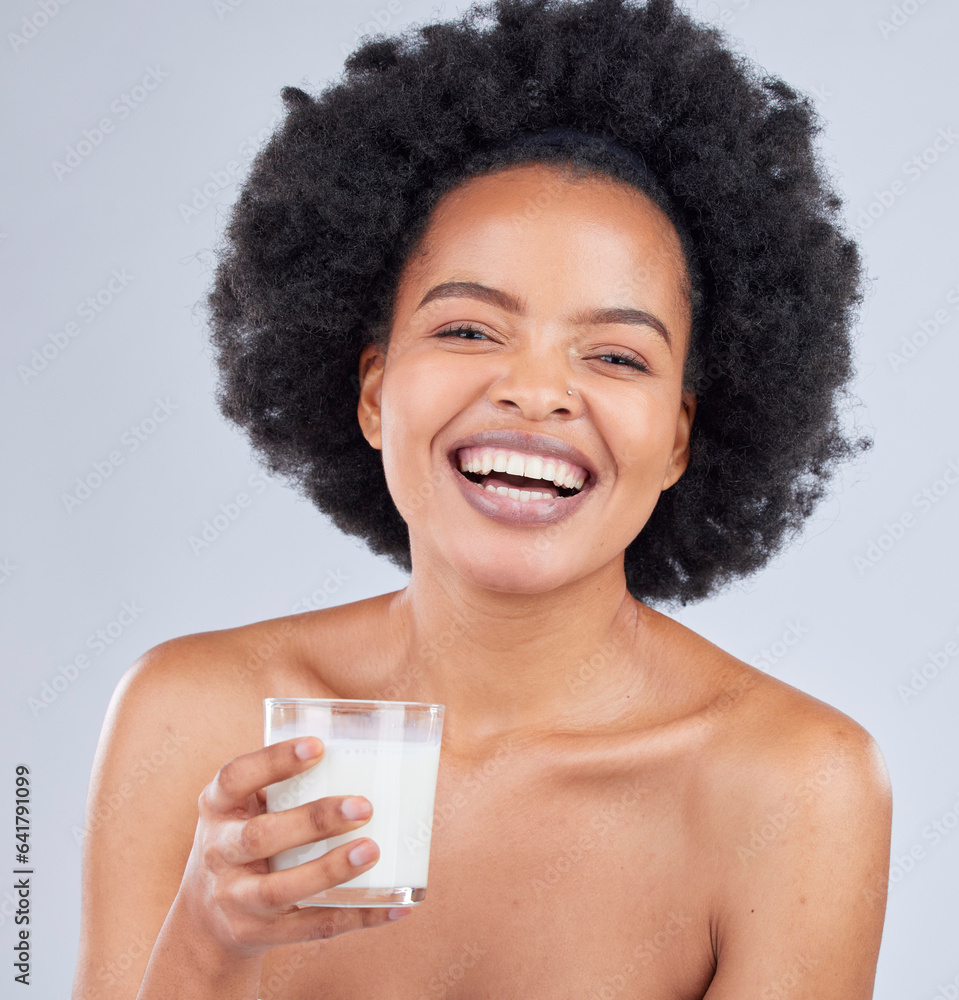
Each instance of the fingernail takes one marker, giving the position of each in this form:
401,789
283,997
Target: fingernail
362,853
399,911
355,808
308,748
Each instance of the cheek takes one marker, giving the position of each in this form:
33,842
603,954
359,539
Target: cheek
640,434
416,404
642,450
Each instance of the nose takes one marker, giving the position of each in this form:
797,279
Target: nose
537,386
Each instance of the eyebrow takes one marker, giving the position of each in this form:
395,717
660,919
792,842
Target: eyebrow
503,300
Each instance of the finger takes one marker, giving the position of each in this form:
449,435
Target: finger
278,890
239,778
313,923
269,833
310,923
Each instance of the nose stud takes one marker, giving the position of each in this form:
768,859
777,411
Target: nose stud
569,392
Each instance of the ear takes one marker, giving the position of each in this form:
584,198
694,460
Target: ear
684,425
372,362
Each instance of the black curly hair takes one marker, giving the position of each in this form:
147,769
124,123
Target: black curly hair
339,197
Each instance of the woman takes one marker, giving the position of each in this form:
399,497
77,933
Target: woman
554,312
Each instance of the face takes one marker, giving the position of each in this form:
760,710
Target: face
541,333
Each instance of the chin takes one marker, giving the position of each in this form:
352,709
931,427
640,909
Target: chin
514,568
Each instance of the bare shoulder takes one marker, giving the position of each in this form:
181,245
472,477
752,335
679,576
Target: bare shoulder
184,709
766,734
792,750
180,712
190,704
795,815
797,773
199,685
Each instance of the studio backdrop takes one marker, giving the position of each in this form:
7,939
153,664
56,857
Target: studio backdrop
132,513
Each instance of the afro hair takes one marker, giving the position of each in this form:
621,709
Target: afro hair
340,195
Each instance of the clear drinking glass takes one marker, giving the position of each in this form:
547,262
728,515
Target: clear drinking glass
387,751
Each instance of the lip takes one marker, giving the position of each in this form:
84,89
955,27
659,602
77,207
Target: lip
535,444
519,512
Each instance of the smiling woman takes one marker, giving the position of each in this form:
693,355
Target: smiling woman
534,326
553,310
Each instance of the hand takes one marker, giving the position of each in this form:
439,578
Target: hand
227,886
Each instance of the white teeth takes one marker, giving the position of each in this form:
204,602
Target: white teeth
524,496
534,468
515,465
487,460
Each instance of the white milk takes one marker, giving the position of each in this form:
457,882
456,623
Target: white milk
398,778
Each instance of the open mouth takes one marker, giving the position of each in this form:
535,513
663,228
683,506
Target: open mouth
525,484
521,476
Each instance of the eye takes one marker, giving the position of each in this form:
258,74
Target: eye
467,332
461,332
625,360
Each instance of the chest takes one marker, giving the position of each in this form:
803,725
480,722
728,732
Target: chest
543,884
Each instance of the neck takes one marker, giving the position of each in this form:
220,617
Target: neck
519,663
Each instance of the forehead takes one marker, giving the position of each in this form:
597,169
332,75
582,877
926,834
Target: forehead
533,220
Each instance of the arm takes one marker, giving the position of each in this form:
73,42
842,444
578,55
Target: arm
800,916
177,894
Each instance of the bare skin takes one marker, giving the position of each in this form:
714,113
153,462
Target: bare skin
623,809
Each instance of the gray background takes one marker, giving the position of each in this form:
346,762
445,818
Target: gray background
864,629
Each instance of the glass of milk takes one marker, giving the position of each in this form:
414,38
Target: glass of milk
387,751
